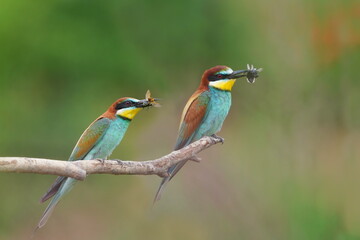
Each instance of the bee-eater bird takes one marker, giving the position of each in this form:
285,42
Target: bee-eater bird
97,142
206,110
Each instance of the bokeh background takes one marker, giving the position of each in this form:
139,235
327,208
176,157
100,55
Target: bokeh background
289,168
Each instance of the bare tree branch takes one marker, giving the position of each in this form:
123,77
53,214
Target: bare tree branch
79,169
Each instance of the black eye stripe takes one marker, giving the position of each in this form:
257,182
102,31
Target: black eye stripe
217,76
123,104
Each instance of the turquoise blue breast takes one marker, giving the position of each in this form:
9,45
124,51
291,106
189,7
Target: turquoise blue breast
218,109
110,140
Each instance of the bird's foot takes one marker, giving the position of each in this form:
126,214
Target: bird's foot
102,161
222,140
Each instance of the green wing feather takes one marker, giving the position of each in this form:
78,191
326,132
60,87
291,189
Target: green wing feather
91,136
192,117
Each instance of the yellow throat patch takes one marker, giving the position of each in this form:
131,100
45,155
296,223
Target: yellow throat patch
225,85
128,113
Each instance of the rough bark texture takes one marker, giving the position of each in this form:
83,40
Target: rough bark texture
79,169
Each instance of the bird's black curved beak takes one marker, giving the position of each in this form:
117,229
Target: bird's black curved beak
250,73
238,74
143,103
146,103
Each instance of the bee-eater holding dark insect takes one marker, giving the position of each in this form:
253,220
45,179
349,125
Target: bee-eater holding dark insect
97,142
206,110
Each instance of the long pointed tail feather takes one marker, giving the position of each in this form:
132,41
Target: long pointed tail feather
62,190
161,189
48,211
172,171
53,189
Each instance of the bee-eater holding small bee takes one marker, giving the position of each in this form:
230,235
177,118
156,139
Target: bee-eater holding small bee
97,142
206,110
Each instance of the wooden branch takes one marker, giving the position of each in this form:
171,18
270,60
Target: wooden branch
79,169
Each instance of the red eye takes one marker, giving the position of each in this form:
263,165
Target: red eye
219,76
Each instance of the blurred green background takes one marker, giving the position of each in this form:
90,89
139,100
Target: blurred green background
289,168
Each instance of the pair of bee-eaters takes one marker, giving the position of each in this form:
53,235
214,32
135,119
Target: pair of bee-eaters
203,115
